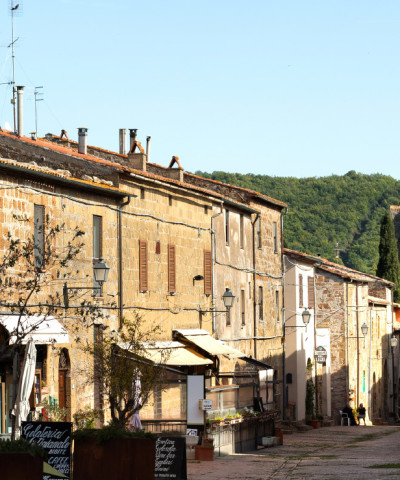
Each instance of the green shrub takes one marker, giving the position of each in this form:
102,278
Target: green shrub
22,446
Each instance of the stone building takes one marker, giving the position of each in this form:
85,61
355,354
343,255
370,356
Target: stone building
163,235
351,325
33,201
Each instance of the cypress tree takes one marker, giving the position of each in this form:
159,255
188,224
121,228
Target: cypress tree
388,265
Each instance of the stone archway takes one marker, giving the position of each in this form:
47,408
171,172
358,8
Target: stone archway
64,382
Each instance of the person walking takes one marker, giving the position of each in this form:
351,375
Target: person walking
361,413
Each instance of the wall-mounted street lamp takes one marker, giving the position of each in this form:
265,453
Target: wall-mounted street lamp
306,316
228,298
393,342
364,329
100,273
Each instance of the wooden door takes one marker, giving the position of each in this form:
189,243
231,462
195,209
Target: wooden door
62,391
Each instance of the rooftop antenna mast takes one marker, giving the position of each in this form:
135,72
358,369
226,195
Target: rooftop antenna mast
13,9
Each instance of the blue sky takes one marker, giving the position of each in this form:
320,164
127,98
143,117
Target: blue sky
286,88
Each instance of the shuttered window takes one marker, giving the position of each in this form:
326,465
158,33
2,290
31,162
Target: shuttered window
207,272
143,274
171,269
301,297
311,295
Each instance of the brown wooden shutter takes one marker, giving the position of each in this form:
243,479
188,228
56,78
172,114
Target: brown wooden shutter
301,301
143,275
207,272
171,269
311,294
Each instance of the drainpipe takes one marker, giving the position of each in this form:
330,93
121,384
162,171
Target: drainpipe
120,276
213,247
358,351
254,287
283,324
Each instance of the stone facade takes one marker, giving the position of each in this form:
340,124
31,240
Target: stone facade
173,220
358,367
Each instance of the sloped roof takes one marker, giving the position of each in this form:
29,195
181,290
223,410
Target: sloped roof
340,270
68,151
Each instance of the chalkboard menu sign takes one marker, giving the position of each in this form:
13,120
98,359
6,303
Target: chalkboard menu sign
171,458
55,438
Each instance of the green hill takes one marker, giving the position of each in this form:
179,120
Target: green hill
326,211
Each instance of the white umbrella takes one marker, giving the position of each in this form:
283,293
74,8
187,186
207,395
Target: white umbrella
135,423
21,407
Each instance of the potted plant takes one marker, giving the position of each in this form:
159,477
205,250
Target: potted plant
20,459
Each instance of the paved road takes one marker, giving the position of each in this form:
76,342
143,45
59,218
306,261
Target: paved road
328,453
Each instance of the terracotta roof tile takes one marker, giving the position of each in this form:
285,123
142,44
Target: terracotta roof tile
49,145
337,269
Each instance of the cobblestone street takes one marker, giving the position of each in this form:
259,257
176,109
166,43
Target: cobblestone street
326,453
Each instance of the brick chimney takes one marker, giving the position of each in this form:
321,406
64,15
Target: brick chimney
175,173
136,160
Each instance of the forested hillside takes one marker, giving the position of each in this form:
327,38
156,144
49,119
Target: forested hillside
344,210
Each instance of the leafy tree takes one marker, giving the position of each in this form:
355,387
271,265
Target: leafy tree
125,377
388,265
30,271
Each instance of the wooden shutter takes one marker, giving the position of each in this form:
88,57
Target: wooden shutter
171,269
143,275
207,272
311,294
301,300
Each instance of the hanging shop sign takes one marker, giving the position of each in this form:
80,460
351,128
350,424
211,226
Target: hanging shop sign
320,355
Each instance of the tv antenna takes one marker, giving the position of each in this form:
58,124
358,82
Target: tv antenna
37,100
15,9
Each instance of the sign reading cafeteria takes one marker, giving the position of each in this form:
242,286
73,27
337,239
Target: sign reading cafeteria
55,438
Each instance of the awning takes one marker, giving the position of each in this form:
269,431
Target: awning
173,354
42,330
203,340
206,342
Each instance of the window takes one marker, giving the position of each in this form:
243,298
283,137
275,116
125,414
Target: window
36,394
241,236
301,296
311,294
143,280
243,307
261,303
97,250
170,200
259,241
207,272
275,237
277,306
227,227
157,397
171,269
206,209
142,194
38,235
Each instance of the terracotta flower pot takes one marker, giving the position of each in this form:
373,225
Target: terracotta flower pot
204,453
